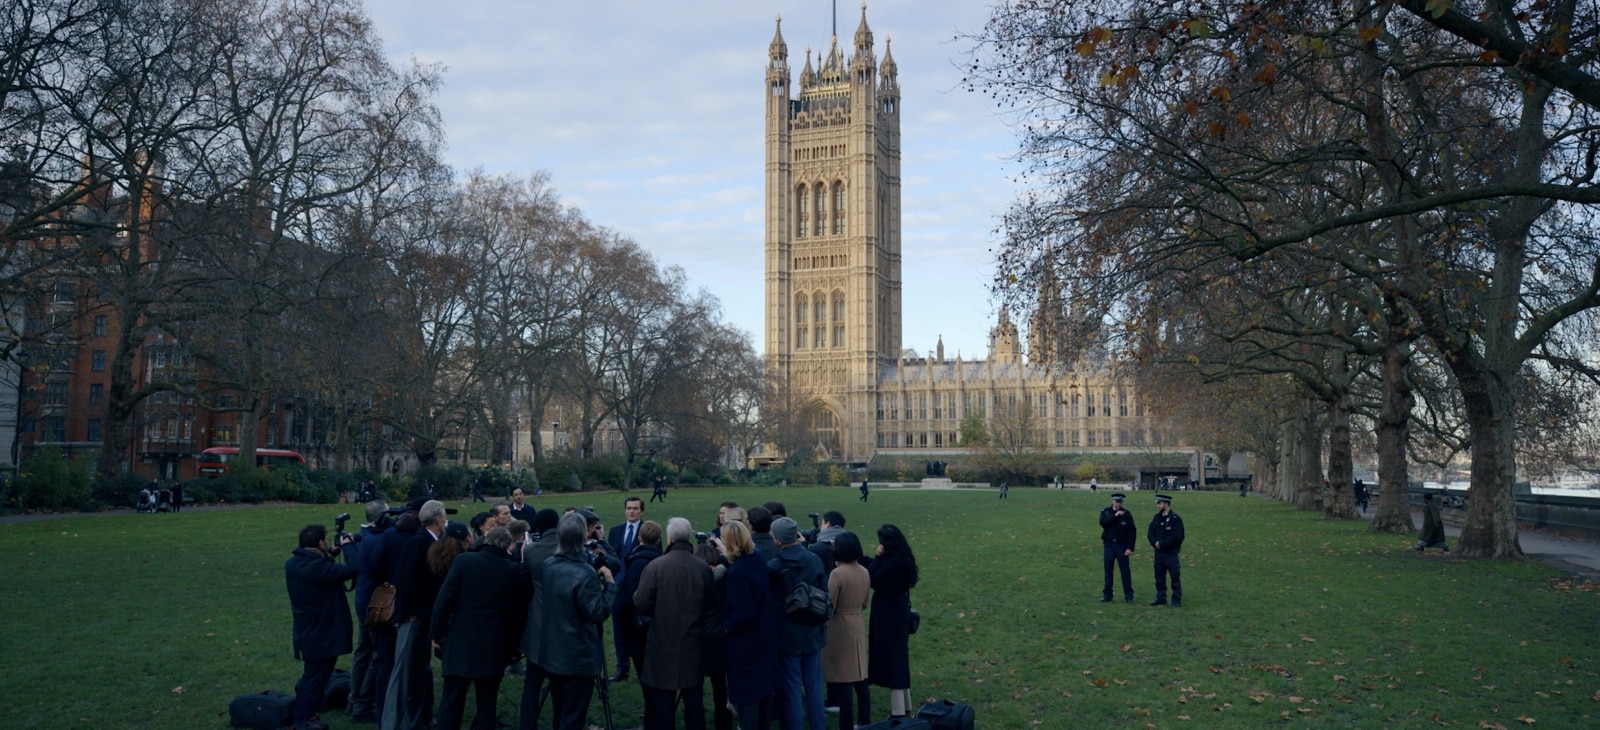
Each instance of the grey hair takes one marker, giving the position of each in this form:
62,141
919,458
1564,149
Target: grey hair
570,533
375,510
679,530
499,537
432,511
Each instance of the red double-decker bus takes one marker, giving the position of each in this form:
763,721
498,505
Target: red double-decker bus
214,461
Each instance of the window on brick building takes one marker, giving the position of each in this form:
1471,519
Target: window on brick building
93,435
99,325
97,393
97,361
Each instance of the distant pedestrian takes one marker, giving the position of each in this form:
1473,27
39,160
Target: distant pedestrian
1003,490
863,489
177,496
659,493
1360,493
1117,539
1432,526
1094,484
477,490
1245,486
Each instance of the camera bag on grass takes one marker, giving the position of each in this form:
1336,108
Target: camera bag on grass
337,695
898,723
947,715
269,710
380,607
804,603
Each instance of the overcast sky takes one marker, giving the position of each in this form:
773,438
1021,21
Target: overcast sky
648,115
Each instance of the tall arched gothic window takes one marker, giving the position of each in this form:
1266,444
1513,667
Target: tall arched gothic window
820,201
838,318
802,212
819,311
800,311
838,208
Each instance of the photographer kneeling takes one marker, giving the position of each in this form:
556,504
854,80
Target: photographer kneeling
576,601
322,624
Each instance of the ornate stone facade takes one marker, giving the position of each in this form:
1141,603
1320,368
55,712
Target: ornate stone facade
833,307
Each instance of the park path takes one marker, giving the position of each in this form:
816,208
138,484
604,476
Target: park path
1568,553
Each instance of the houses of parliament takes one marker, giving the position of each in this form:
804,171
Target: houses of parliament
833,250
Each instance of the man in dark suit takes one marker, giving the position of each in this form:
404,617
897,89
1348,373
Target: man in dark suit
623,538
322,625
470,617
519,510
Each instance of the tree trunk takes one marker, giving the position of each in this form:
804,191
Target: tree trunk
1308,460
1491,527
1393,514
249,423
117,432
1339,503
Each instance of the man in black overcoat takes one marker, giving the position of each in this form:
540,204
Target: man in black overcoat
470,618
322,625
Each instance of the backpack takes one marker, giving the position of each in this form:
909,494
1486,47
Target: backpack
803,603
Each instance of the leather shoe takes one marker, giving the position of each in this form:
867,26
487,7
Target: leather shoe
621,676
1105,599
1129,599
1176,604
1159,602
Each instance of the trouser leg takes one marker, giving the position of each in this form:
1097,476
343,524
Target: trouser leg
569,700
308,692
485,692
1127,576
453,702
721,717
1175,570
1107,557
811,683
532,684
863,703
382,669
361,674
694,707
791,711
1161,578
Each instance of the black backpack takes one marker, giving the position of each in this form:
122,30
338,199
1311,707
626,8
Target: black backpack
805,604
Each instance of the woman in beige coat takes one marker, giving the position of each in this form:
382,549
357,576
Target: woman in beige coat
844,658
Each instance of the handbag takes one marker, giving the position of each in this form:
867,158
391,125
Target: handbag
916,621
380,608
803,603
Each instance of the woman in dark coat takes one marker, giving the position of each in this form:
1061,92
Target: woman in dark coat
752,622
894,574
712,659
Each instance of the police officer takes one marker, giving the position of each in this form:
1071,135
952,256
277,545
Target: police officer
1117,538
1166,536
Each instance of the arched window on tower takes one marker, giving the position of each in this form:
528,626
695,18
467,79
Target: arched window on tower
838,318
838,208
802,212
800,311
819,311
819,200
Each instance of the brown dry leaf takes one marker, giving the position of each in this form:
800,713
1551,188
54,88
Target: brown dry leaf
1307,638
1183,699
1088,672
177,690
1339,678
1125,647
1214,670
1120,682
1304,710
1524,719
1099,683
1183,717
1370,34
1294,700
1084,49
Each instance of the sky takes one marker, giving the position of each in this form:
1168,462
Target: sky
648,115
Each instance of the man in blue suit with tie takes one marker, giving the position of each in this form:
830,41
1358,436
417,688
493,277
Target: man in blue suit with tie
622,538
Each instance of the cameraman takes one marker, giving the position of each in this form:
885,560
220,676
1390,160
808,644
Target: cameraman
321,619
821,543
576,601
594,538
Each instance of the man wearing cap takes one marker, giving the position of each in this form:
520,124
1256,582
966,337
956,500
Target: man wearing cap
800,653
1117,538
1166,536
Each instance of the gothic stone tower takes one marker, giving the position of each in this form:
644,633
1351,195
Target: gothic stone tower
833,239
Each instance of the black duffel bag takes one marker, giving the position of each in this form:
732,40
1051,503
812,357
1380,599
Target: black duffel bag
269,710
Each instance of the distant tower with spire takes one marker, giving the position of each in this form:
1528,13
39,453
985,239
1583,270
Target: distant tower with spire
833,233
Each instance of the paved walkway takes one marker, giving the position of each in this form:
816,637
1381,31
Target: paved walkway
1567,553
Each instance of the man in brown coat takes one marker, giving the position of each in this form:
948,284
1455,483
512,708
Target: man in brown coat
676,593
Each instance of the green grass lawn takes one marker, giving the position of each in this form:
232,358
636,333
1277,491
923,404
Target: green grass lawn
156,621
